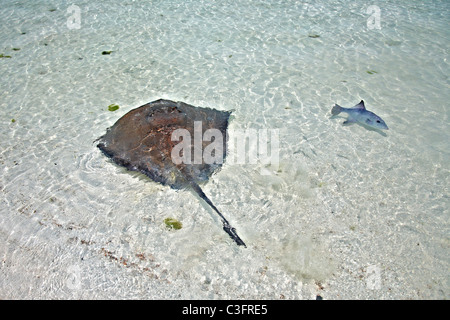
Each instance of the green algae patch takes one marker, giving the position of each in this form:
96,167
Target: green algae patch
113,107
106,52
4,56
371,71
172,223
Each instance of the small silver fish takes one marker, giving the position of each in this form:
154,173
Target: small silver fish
360,114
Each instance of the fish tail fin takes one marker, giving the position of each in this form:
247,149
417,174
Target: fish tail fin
336,110
226,225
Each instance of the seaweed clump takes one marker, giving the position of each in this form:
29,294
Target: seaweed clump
113,107
172,223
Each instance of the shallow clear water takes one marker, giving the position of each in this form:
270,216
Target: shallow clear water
348,212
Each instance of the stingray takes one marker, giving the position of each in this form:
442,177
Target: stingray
160,140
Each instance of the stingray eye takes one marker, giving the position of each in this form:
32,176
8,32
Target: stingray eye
378,121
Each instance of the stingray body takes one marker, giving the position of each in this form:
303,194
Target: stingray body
143,140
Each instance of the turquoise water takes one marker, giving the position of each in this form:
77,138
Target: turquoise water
347,213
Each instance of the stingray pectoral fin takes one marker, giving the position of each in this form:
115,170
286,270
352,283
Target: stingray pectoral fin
226,225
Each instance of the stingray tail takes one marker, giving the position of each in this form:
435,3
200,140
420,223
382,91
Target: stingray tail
226,225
